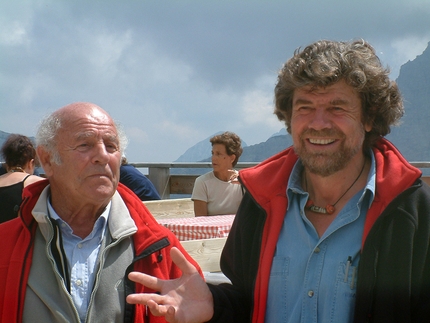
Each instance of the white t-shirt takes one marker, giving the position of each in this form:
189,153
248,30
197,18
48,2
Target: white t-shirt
221,197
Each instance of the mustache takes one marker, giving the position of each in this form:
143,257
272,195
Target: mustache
322,133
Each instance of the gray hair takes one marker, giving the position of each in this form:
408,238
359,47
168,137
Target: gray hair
122,137
49,127
46,133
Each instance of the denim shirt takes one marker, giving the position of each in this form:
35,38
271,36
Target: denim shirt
82,255
313,279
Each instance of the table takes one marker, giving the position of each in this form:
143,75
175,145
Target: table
201,227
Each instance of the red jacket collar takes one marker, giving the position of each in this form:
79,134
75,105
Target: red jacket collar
270,177
393,175
143,220
139,213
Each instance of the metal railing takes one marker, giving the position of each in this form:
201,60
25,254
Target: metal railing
167,183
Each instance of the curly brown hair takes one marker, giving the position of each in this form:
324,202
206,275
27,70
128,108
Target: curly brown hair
324,63
232,143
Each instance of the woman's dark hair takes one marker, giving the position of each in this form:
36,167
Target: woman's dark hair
18,150
324,63
232,143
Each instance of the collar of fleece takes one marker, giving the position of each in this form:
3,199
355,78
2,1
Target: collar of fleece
140,214
393,175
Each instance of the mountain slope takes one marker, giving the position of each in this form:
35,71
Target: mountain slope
412,136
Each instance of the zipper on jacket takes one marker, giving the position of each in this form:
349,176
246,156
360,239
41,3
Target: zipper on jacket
260,238
155,247
102,258
63,286
129,285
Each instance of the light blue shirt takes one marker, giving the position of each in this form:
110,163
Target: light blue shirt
313,279
82,255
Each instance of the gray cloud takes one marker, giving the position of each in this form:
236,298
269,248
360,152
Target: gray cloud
174,72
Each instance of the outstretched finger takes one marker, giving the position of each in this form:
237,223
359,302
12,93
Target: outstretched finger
146,280
184,265
145,299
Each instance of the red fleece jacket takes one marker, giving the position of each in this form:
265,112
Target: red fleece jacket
17,251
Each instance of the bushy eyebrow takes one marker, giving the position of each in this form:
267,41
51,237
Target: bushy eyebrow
302,102
339,102
332,102
84,135
110,136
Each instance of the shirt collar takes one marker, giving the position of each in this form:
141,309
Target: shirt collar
99,226
295,180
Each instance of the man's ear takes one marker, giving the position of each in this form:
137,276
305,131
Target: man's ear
45,160
368,124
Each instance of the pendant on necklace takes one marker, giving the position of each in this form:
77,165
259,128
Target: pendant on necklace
329,209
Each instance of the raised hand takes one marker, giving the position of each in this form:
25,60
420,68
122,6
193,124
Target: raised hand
234,174
183,300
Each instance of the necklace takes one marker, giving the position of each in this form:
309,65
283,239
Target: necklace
16,169
330,208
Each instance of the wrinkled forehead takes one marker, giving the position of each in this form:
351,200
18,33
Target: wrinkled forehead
88,120
85,110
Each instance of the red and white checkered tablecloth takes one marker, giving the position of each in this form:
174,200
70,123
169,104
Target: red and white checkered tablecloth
201,227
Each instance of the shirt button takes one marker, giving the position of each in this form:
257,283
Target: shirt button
311,293
317,250
79,245
79,282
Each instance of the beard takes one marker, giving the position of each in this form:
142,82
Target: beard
327,163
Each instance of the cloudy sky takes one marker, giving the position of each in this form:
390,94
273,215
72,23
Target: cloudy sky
173,73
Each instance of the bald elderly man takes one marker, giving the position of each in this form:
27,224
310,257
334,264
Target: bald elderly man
79,233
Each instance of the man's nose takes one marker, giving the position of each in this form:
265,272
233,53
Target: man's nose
320,120
101,154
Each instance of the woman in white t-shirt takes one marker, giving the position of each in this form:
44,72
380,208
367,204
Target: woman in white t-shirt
217,192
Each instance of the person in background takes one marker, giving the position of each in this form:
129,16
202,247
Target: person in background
137,182
66,257
215,193
333,229
20,161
